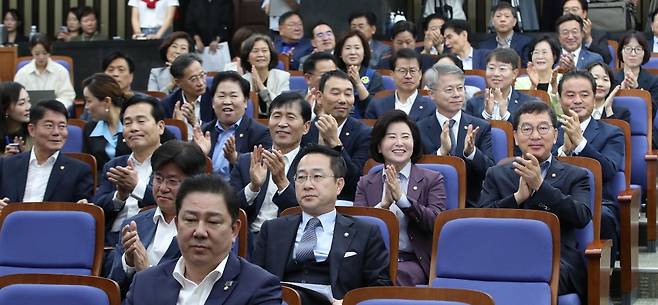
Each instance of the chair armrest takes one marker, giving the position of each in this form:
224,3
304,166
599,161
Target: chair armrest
598,255
629,211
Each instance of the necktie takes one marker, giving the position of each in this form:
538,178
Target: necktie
308,242
453,140
544,168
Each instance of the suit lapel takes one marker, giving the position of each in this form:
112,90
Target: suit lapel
213,137
21,167
226,284
434,133
554,172
173,252
346,134
286,233
375,187
513,101
461,133
591,131
415,177
56,174
241,134
417,107
169,287
148,228
343,235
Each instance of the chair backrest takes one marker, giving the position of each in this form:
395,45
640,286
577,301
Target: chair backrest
36,289
298,83
290,296
64,238
612,47
89,160
502,135
252,105
369,122
384,93
385,220
415,296
452,168
157,94
475,81
626,166
389,83
652,63
65,61
284,62
387,72
74,140
239,247
539,94
178,128
638,102
524,243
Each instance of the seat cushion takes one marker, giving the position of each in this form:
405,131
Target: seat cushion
38,294
508,293
568,299
407,302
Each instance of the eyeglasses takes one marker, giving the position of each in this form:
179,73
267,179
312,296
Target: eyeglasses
403,72
635,50
326,34
197,78
317,178
574,32
542,52
527,129
169,182
571,10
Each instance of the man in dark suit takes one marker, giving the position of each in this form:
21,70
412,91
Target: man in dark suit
315,65
582,135
321,246
406,96
453,132
148,238
126,180
538,181
404,37
45,173
265,176
652,37
593,39
337,129
456,33
499,100
503,18
192,101
570,30
232,132
207,223
291,38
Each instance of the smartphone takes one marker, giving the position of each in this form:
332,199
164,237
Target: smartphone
63,29
15,145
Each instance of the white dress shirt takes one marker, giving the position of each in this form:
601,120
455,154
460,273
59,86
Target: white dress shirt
152,18
598,112
496,110
455,130
164,233
576,55
268,210
406,105
131,208
37,177
404,242
467,62
197,115
655,44
192,294
324,234
579,148
54,77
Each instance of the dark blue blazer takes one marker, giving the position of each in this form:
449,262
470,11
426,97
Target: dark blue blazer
519,43
475,105
646,81
368,267
430,132
355,137
248,134
426,61
105,193
599,44
207,113
565,193
422,108
242,283
480,59
146,230
302,49
70,180
240,178
587,57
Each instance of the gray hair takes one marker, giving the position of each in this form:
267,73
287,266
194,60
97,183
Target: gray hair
439,70
181,63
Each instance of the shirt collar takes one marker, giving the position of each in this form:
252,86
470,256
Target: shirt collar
599,111
291,154
328,220
507,40
100,128
146,162
159,216
410,99
233,127
196,102
214,275
51,159
441,118
585,123
33,66
340,128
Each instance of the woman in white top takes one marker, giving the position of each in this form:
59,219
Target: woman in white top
175,44
453,6
259,59
151,19
42,73
544,55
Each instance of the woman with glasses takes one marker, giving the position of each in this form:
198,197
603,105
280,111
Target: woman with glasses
259,60
633,52
414,194
605,93
15,106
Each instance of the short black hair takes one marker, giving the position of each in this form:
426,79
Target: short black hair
156,107
169,40
458,62
337,74
231,76
119,55
321,22
430,17
336,161
652,15
38,111
405,53
309,63
584,4
569,17
503,5
212,184
370,16
505,55
608,71
404,26
291,98
626,38
534,108
249,43
341,42
379,132
553,44
457,26
576,74
16,15
181,63
289,14
41,39
188,157
85,11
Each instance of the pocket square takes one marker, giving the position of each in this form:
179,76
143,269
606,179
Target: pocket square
348,254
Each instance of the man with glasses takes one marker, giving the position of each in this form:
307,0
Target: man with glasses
538,181
570,30
192,101
291,38
323,40
320,246
147,239
593,39
453,132
407,75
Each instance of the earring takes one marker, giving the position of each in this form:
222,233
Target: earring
107,109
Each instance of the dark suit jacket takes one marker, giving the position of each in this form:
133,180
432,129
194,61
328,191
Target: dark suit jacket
242,283
476,169
70,180
355,137
422,108
427,195
599,44
146,231
207,113
587,57
369,267
475,105
105,193
480,59
240,178
651,40
519,43
565,193
302,49
248,134
646,81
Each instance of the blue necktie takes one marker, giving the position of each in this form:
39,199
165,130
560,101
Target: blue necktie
308,242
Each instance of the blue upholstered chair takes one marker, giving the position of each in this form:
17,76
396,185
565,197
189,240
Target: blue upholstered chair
502,139
415,296
472,246
389,83
37,289
298,83
63,238
178,128
652,63
475,78
240,245
74,140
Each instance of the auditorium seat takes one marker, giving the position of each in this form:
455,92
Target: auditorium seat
415,296
37,289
